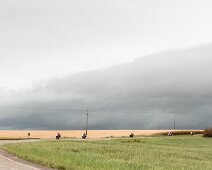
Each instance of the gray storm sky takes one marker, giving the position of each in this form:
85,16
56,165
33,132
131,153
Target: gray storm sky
132,63
41,39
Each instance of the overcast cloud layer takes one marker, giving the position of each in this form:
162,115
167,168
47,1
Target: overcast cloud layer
141,94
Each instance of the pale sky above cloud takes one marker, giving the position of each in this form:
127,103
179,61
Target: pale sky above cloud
42,39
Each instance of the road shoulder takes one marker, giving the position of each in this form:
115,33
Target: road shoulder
14,159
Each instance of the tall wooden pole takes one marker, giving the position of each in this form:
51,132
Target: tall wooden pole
174,121
86,123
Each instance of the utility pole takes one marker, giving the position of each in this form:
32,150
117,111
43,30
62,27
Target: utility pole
86,123
174,121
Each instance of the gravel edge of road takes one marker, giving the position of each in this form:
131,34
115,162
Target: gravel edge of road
22,161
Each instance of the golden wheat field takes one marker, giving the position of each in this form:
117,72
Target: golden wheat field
47,134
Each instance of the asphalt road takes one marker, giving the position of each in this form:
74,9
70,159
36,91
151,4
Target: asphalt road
9,162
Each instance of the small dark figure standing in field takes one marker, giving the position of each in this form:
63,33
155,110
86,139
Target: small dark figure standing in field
170,134
58,136
131,135
84,136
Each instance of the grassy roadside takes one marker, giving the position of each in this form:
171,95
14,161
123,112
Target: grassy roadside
177,152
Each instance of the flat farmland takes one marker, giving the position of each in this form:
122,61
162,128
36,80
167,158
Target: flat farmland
48,134
141,153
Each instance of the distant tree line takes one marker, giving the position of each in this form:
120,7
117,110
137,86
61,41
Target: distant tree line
207,132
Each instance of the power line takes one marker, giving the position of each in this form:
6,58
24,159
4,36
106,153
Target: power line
44,109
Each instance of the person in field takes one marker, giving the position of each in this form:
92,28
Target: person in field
84,136
131,135
58,136
170,134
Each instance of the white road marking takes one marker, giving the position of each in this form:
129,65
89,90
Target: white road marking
32,167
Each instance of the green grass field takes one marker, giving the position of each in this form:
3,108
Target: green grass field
177,152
